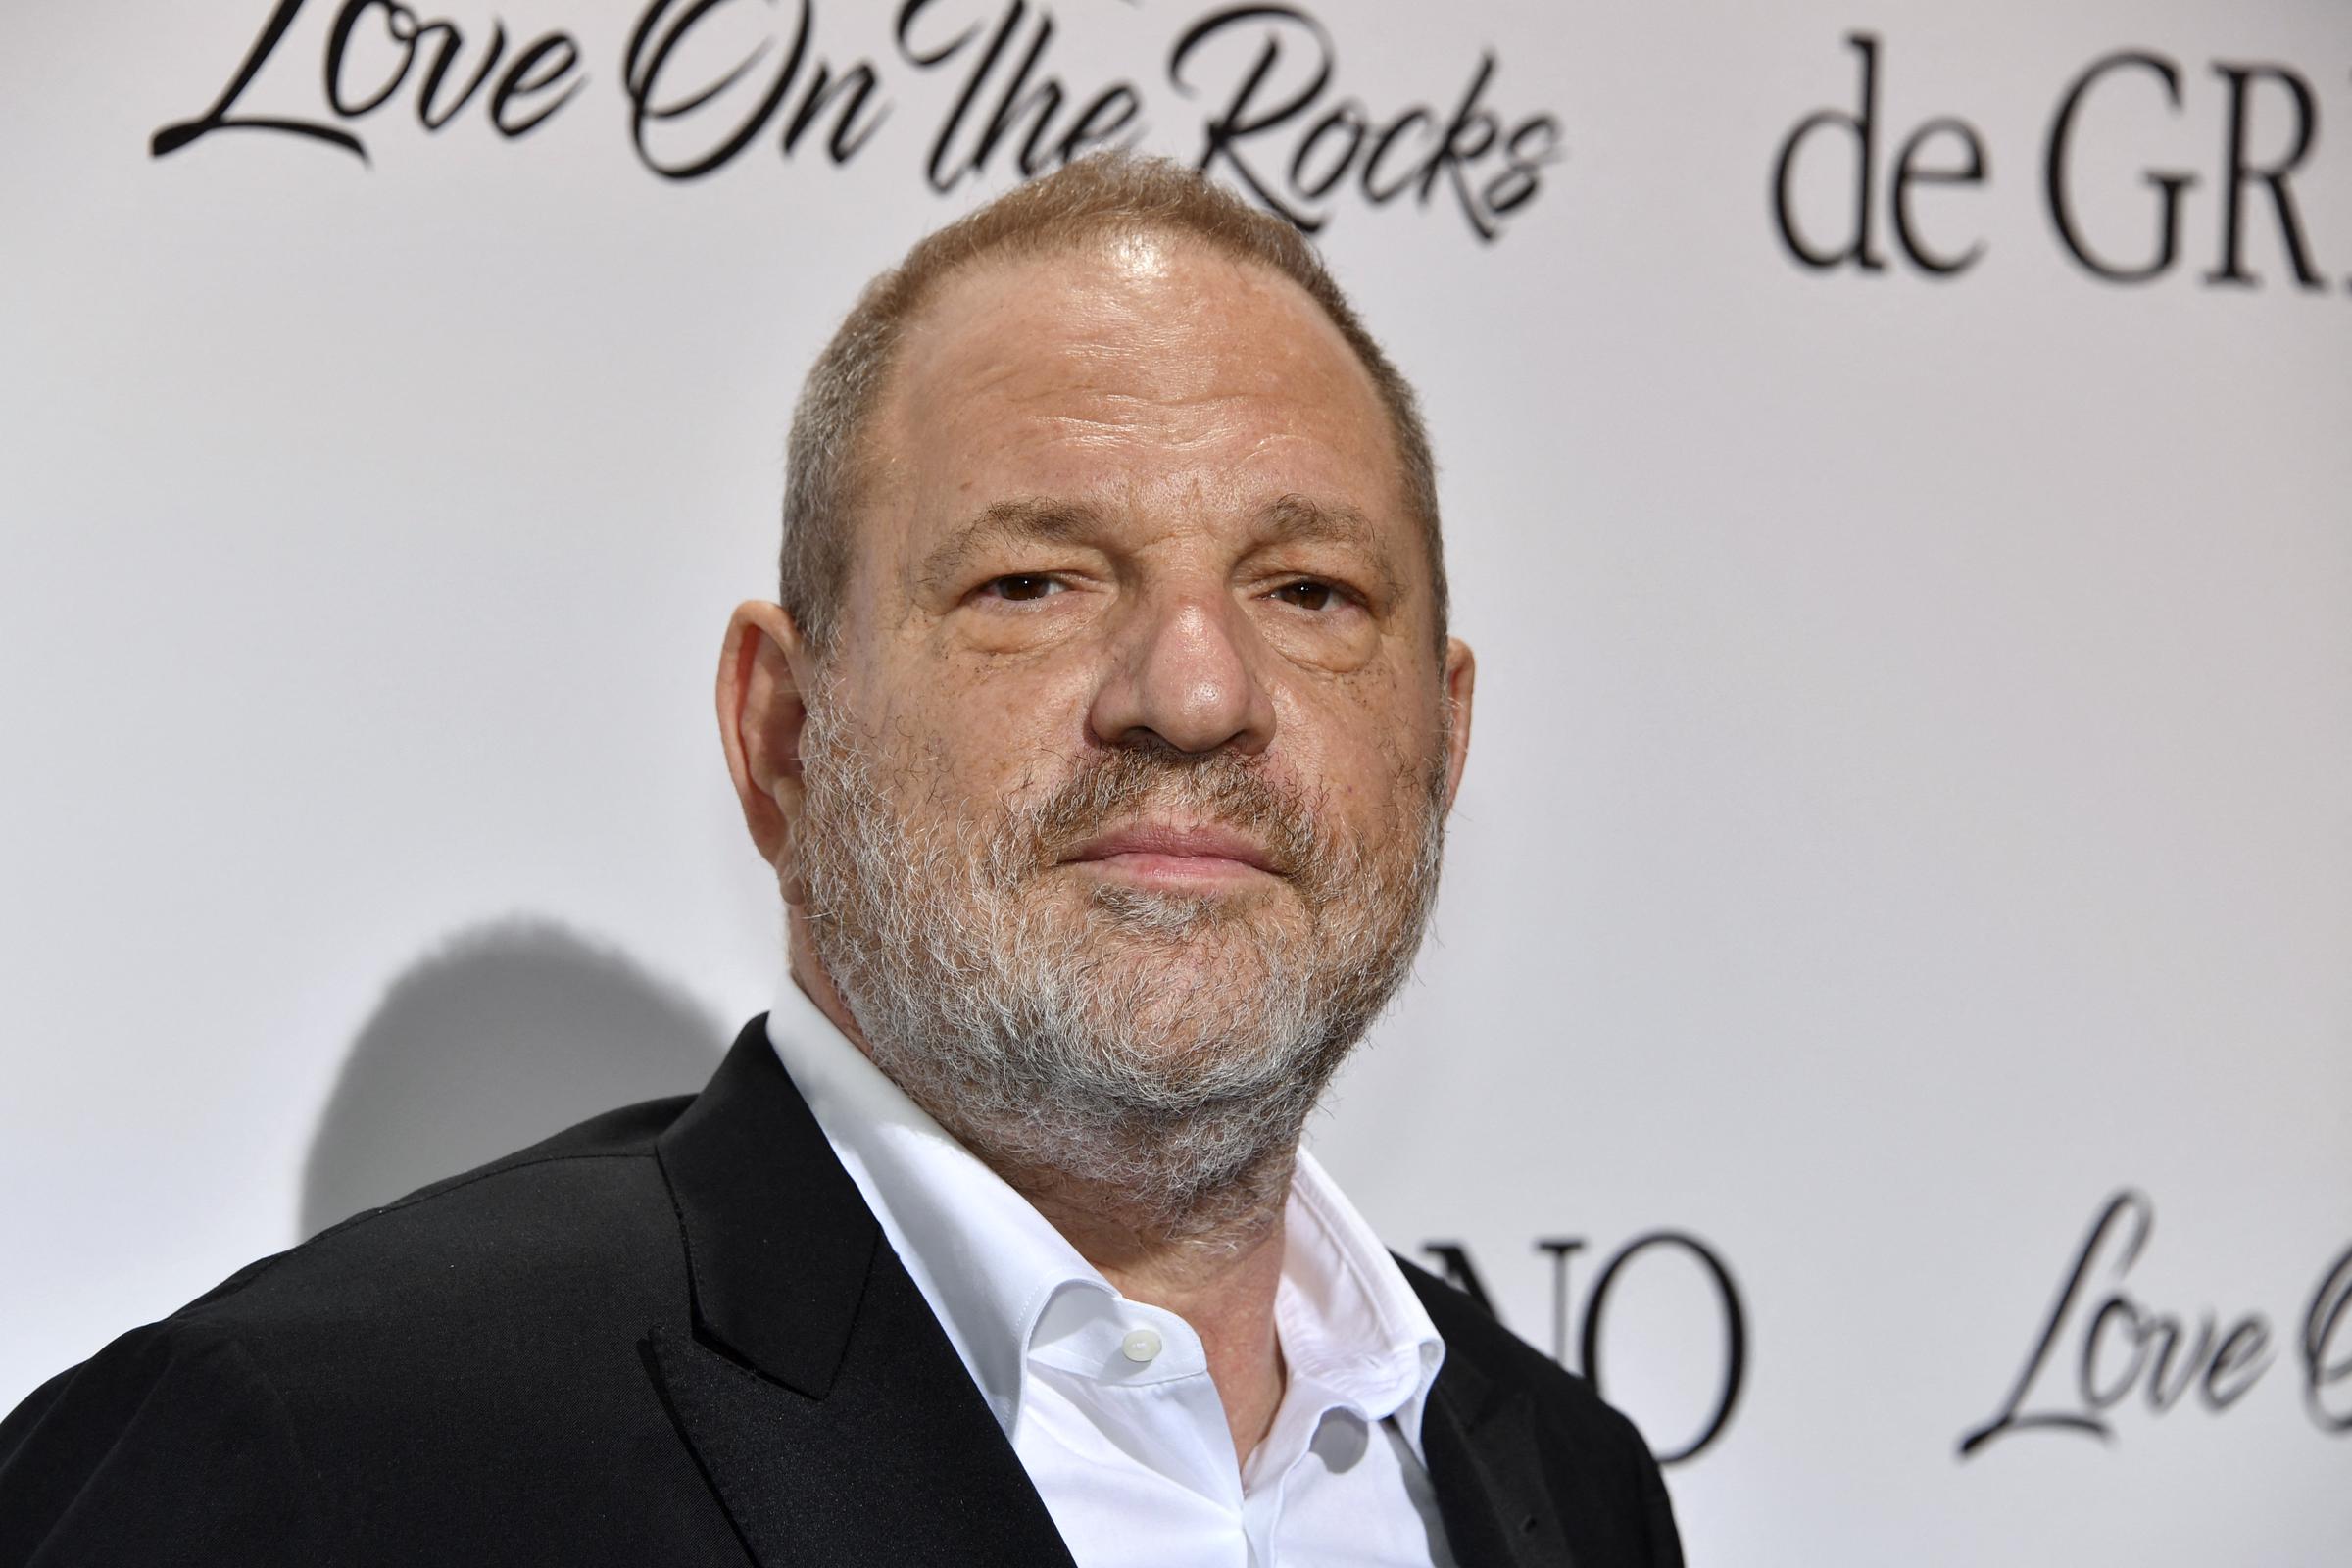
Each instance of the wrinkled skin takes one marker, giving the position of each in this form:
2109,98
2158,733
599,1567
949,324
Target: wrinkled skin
1134,498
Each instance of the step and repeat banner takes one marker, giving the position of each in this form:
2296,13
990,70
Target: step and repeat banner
1889,1017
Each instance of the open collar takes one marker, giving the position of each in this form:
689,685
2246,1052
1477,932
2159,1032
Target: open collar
990,1265
814,1378
813,1383
987,1261
1350,1322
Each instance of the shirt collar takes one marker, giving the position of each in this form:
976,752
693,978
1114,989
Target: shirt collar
1351,1324
1354,1334
985,1260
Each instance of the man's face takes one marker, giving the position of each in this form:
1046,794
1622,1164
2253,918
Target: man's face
1136,676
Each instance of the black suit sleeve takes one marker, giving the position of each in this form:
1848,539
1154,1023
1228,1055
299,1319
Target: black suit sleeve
168,1447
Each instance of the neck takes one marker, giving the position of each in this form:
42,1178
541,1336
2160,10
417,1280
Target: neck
1221,1282
1216,1265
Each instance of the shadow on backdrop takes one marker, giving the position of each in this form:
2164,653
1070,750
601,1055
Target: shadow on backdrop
508,1033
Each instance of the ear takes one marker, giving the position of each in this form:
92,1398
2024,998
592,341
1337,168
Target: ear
762,708
1461,678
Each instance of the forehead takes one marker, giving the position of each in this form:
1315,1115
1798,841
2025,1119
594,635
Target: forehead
1147,375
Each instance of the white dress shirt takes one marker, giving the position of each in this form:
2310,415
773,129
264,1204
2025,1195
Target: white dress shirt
1109,1402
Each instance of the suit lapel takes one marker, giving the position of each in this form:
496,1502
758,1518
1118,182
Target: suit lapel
899,1463
833,1418
835,1421
1481,1442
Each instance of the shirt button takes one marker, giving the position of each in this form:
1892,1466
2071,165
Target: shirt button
1141,1344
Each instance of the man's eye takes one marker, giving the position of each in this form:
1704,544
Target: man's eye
1020,585
1308,595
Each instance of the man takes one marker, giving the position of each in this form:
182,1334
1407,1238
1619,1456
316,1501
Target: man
1102,744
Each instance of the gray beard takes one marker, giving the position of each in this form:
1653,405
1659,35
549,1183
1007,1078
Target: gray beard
1161,1049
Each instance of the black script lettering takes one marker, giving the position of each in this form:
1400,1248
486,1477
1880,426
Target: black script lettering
2156,1341
2236,1366
2058,180
2115,1309
858,84
2126,1205
1243,117
2241,80
446,44
400,26
1534,143
1023,98
172,137
1106,122
654,58
2126,1344
540,67
1469,136
1380,189
910,14
544,64
2173,1360
353,88
1346,121
660,33
2323,1364
1278,96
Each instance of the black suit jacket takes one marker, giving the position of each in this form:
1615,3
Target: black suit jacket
674,1335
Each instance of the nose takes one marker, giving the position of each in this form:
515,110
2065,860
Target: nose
1184,675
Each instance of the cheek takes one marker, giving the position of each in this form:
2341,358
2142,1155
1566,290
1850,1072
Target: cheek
1336,737
1367,742
1339,642
983,738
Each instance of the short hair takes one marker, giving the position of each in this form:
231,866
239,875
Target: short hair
1102,196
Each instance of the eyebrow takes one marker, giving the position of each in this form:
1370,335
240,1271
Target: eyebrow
1301,520
1034,519
1040,520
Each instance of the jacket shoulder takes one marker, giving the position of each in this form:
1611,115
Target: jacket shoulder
557,1200
181,1419
494,1313
565,1218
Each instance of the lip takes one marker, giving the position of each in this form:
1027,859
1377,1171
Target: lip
1160,851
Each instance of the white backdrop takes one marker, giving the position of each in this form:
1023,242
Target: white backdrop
1912,795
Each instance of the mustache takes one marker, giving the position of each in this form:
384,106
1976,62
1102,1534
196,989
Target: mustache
1208,789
